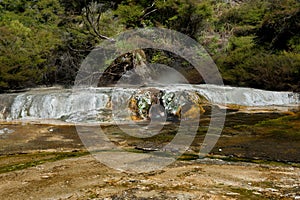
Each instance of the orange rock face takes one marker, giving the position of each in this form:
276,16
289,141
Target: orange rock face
151,104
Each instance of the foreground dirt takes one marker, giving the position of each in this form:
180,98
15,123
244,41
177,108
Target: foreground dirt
86,178
35,163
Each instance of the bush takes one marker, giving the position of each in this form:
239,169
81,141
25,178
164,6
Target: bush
260,69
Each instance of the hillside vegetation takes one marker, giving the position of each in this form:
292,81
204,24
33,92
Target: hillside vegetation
255,43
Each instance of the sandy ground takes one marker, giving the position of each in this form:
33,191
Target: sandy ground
86,178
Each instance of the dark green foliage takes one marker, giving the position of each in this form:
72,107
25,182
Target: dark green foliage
264,51
255,43
262,70
28,38
182,15
281,29
250,13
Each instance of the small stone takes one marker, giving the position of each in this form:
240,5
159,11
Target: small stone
232,194
257,193
272,189
50,129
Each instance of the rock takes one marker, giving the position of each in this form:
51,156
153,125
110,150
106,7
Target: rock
50,129
45,177
232,194
272,189
130,68
146,149
6,131
161,105
256,193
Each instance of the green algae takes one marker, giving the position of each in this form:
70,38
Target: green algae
23,161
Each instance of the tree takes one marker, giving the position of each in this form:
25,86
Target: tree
26,43
281,29
185,16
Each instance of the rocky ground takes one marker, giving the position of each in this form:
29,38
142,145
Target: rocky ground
85,178
44,161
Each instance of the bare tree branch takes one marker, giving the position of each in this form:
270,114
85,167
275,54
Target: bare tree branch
94,25
148,13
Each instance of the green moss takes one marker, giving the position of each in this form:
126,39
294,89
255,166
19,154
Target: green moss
245,194
279,121
187,156
31,160
282,127
255,161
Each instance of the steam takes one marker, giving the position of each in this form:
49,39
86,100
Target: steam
165,75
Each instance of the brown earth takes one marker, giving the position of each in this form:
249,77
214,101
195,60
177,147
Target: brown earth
33,164
85,178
